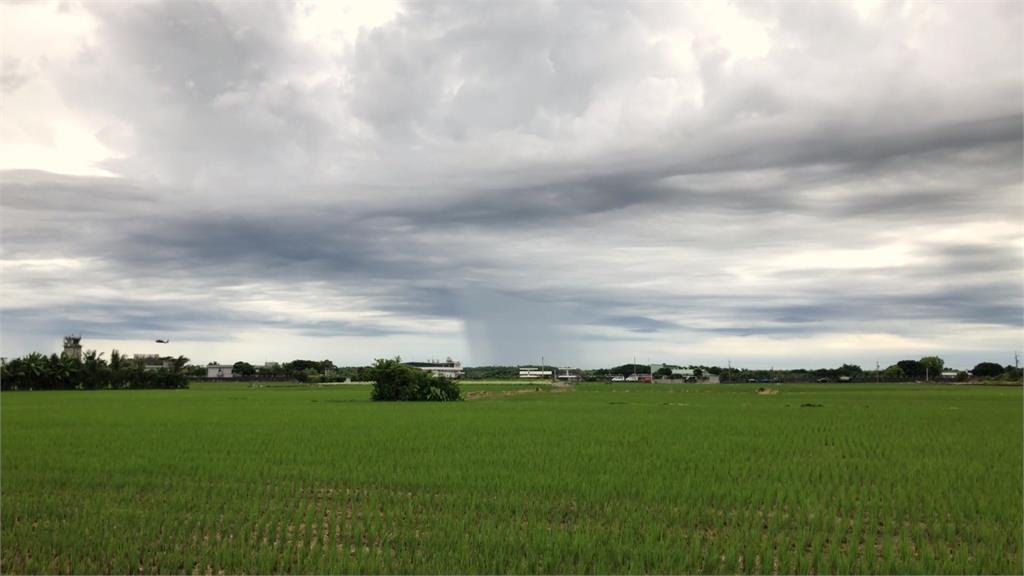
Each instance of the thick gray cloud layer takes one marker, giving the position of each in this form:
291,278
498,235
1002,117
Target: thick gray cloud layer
771,184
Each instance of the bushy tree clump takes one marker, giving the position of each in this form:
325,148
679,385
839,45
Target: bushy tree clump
393,380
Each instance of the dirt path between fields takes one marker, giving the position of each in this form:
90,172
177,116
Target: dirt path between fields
484,394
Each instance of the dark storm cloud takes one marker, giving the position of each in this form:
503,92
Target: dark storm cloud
540,205
125,319
114,320
636,323
994,305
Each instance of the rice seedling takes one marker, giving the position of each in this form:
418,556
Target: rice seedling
605,478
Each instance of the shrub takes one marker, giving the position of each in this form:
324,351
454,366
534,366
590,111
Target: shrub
393,380
988,370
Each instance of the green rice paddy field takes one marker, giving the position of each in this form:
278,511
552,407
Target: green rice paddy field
598,478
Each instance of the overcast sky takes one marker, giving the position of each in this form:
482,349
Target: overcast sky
773,184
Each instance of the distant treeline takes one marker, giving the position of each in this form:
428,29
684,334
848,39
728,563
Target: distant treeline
92,372
929,367
308,371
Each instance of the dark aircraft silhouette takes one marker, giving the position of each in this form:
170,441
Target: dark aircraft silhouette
163,341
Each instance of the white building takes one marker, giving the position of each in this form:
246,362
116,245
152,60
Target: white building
534,373
219,371
447,369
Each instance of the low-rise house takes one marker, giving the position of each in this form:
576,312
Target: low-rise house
219,371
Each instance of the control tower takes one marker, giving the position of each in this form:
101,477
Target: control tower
73,347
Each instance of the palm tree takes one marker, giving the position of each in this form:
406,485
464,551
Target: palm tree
35,371
176,378
178,364
116,366
63,372
93,370
12,374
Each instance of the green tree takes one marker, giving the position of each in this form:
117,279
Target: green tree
175,376
95,372
1012,373
243,369
911,368
987,370
35,372
64,372
193,371
311,376
393,380
893,373
932,366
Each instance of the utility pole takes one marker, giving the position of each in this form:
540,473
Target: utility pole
728,374
878,376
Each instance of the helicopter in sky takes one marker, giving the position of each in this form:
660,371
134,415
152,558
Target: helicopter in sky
160,341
